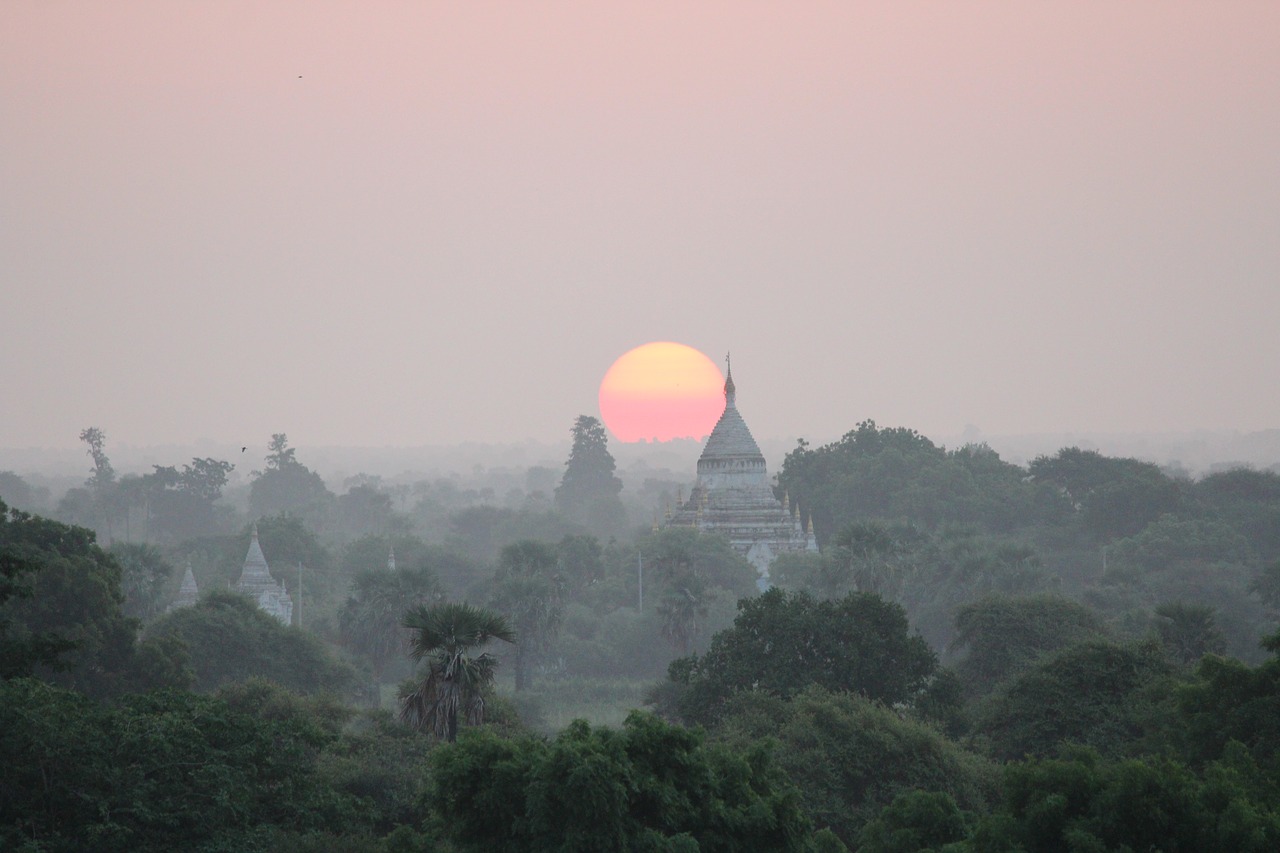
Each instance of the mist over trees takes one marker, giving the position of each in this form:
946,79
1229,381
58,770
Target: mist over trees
982,656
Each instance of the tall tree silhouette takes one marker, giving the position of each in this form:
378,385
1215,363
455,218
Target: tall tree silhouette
588,491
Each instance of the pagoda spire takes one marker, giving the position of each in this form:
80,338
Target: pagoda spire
730,395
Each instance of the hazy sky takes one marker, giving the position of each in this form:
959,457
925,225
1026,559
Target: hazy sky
407,223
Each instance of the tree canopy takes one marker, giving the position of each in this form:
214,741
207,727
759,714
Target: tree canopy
781,643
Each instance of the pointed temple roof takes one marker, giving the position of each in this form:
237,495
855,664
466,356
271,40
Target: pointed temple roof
188,593
255,572
731,437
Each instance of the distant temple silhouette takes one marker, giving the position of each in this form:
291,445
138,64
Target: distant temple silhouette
733,497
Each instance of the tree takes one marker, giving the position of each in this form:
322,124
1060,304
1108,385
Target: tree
897,473
1188,632
181,504
145,575
158,772
371,619
530,590
851,756
229,639
915,821
647,786
781,643
1000,637
287,485
1082,803
22,650
1113,497
588,491
446,636
65,608
1091,693
105,496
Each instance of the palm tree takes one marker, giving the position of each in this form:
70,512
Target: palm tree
370,620
445,635
529,589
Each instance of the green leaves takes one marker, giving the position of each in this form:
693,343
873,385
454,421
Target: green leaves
444,636
782,643
648,787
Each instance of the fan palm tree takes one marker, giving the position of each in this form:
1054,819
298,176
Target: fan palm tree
445,635
370,620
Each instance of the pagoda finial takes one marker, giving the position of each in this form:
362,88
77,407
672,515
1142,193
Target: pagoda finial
786,502
391,558
730,397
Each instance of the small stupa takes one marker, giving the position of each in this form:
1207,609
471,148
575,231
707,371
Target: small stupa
733,497
188,593
257,583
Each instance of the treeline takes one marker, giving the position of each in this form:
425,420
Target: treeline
1075,655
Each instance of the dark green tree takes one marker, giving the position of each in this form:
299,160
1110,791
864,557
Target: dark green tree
588,491
1188,632
781,643
144,579
229,639
649,786
999,637
446,638
915,822
1081,803
157,772
1095,693
65,607
851,756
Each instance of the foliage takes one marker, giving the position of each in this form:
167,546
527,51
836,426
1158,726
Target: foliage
1094,693
1000,637
64,617
1233,701
1081,803
371,620
529,590
1188,632
1112,497
851,756
1249,501
892,474
144,580
648,787
288,486
588,491
165,771
230,639
181,504
781,643
915,822
445,636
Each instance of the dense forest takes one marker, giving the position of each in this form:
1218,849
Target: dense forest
1082,654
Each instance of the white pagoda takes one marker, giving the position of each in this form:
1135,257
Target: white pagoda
257,583
733,497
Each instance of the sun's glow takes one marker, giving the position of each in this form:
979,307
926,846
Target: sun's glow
660,391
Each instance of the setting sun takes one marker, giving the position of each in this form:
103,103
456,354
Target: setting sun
661,391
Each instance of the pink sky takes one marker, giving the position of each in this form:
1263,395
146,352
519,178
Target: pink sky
407,223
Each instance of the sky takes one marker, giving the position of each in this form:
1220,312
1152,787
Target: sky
397,224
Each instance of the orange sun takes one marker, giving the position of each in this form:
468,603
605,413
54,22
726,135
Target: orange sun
661,391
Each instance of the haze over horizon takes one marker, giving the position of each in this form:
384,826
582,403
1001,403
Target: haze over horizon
404,225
